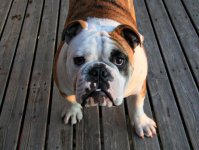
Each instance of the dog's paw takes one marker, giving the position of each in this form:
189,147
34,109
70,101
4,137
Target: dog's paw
144,126
74,114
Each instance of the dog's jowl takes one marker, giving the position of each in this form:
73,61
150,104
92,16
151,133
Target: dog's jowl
101,60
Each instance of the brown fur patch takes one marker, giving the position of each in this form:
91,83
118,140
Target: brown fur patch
55,68
119,10
123,44
143,91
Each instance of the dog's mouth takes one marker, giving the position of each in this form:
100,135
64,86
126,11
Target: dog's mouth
97,97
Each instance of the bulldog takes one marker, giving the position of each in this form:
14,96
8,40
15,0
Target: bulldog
101,60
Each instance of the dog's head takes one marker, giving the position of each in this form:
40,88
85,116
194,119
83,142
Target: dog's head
96,66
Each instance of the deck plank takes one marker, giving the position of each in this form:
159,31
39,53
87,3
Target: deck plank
115,136
170,127
4,12
193,11
137,142
35,122
60,136
15,97
186,34
9,41
182,81
88,130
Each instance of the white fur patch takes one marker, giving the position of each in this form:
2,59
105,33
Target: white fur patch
144,126
99,24
74,113
139,74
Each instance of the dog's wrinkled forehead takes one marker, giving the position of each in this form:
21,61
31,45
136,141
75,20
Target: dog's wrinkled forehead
94,45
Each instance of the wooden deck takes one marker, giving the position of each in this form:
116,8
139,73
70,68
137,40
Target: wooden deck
30,105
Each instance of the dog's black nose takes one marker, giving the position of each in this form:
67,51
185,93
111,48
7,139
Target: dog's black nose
99,72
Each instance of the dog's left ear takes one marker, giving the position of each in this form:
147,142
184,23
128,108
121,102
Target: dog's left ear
72,29
133,37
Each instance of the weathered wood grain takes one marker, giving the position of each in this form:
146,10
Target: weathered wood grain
186,34
193,11
60,136
35,122
88,130
9,41
137,142
170,126
62,19
12,112
4,11
115,136
182,80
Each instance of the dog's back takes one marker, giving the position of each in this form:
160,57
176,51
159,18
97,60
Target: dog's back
118,10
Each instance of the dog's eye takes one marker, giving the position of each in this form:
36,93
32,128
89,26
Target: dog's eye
119,61
79,61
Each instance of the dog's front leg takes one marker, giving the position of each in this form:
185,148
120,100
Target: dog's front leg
144,126
73,112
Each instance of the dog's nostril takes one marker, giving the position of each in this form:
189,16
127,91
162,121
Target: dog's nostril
104,73
94,73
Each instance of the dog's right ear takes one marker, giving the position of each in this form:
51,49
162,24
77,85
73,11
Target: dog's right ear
72,29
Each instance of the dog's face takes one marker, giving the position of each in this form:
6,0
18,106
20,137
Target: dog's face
96,66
